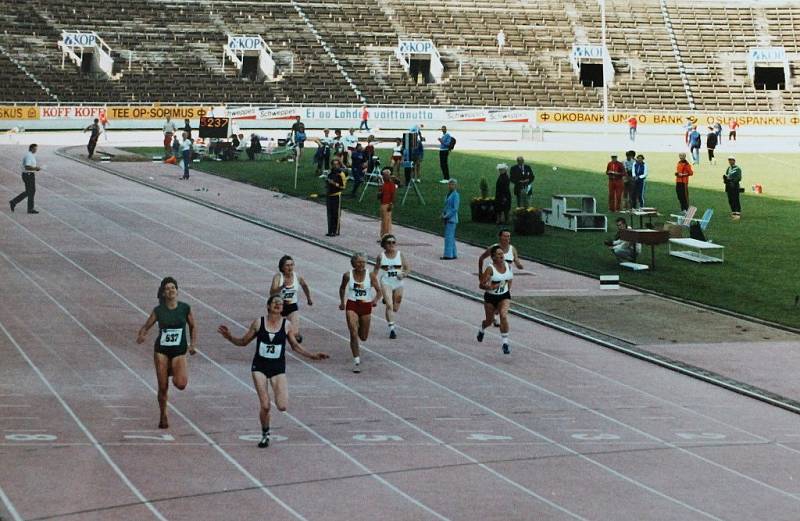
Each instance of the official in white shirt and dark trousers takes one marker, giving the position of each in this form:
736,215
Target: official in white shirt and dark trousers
29,169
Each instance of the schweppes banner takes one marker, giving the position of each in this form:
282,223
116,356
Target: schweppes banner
546,117
156,112
18,112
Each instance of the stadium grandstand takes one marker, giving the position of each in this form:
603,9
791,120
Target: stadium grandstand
662,54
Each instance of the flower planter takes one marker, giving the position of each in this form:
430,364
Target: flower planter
528,221
482,211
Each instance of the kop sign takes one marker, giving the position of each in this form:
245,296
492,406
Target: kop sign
767,54
415,46
79,39
587,51
245,43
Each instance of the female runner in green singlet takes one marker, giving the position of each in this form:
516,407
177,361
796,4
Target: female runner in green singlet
171,343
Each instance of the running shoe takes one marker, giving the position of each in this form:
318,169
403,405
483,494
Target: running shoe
356,367
392,334
264,441
506,349
480,336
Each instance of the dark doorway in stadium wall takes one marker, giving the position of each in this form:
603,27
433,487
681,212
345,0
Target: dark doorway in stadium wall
769,78
250,67
591,74
420,70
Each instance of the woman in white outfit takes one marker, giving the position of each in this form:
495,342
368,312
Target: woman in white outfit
496,281
287,284
390,269
509,253
357,303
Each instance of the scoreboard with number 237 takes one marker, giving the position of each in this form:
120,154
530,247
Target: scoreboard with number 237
214,127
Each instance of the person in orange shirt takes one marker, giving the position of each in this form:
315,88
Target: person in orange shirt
615,171
682,172
386,197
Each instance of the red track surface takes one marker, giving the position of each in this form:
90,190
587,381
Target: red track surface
436,427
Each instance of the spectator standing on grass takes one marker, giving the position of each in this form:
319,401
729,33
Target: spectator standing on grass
350,141
186,153
176,147
694,145
104,123
732,179
615,171
450,219
627,181
633,124
336,181
255,146
418,154
522,178
445,142
364,119
683,170
718,132
187,127
386,197
29,169
369,153
358,167
639,179
397,156
94,128
502,194
711,144
322,157
169,129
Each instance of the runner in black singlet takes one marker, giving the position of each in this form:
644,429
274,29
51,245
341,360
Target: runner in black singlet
269,363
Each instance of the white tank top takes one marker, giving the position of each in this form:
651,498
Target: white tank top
390,268
502,278
509,255
289,293
359,291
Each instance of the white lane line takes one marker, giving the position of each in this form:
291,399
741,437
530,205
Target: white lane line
425,305
122,406
510,375
248,386
550,392
172,407
82,426
631,480
10,506
24,430
211,442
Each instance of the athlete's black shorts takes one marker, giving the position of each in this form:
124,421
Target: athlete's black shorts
172,352
288,309
491,298
268,367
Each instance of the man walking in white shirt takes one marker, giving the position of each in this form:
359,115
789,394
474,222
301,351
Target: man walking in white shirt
29,169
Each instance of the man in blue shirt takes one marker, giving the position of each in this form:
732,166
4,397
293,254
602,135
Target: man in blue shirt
694,145
444,152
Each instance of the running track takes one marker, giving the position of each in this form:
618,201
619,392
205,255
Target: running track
436,427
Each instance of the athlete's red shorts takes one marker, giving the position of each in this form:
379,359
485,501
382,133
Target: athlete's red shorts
361,307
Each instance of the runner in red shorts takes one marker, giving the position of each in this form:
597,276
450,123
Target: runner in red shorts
356,302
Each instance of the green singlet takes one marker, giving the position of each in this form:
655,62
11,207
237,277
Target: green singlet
171,339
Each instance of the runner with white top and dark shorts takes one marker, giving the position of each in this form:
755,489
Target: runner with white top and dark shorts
355,301
391,268
269,362
171,345
509,254
496,281
287,284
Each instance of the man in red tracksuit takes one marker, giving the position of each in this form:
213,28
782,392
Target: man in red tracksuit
615,171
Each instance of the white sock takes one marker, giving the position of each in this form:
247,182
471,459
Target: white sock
391,325
481,328
504,336
356,359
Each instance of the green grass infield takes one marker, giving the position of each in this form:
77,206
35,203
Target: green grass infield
759,275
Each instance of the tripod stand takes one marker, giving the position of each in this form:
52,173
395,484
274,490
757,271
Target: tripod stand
412,183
